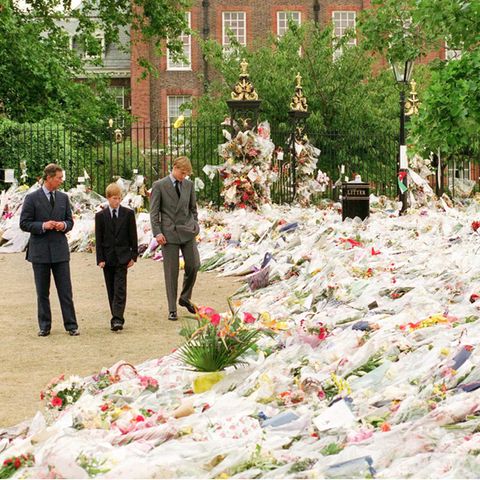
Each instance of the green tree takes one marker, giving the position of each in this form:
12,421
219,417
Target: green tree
37,65
449,117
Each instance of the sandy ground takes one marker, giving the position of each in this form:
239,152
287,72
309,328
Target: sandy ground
28,362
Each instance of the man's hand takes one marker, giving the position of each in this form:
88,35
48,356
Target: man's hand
101,264
160,238
59,226
130,263
50,225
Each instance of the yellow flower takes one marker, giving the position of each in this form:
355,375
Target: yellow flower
179,121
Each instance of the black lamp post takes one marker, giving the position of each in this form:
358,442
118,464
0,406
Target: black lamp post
403,73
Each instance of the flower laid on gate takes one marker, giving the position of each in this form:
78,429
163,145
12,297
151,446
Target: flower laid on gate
216,341
475,225
246,172
12,464
60,393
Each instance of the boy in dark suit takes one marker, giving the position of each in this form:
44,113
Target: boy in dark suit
117,250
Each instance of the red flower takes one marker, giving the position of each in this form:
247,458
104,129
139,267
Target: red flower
17,464
56,402
376,252
215,319
248,318
468,348
242,205
245,197
385,427
139,418
104,407
475,226
8,461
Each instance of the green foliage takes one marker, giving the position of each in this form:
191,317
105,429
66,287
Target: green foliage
331,449
449,119
215,342
408,29
37,64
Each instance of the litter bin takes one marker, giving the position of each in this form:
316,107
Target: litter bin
355,200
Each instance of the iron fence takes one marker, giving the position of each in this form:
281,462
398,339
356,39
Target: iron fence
111,152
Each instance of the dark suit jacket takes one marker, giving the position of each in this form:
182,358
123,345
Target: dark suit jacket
48,246
120,246
176,218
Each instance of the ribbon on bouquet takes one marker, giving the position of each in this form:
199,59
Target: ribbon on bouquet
401,177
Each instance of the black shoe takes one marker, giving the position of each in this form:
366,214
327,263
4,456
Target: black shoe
188,305
172,316
116,327
74,333
43,333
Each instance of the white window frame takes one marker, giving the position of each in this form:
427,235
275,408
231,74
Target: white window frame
100,36
339,29
171,118
187,51
227,28
463,169
282,24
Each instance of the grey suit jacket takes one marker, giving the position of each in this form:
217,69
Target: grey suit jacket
49,246
176,218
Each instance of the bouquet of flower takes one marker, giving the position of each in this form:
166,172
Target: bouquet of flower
60,393
217,341
12,464
247,172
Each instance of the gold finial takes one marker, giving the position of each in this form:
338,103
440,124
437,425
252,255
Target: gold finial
243,68
412,103
299,101
298,78
244,89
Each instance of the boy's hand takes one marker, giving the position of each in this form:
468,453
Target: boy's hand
101,264
130,264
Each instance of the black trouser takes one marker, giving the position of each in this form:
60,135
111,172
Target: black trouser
61,275
116,282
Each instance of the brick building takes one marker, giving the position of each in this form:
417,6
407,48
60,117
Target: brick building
156,100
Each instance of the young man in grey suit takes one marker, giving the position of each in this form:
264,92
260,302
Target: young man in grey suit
47,216
174,219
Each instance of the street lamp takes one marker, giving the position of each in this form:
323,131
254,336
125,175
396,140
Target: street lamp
403,73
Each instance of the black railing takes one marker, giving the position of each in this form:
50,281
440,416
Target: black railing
149,149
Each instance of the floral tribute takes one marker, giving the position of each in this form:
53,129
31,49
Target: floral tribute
247,172
216,341
306,182
60,393
12,464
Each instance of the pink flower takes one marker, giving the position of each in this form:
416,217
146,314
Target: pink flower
215,319
248,318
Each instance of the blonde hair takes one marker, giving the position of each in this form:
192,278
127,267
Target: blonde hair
183,164
113,190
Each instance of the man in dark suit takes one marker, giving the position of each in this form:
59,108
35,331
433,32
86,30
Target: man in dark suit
47,216
174,219
117,250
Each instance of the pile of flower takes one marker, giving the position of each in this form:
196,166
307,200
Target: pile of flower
306,183
247,172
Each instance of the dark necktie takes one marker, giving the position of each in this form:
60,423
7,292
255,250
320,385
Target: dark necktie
177,187
52,200
114,218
